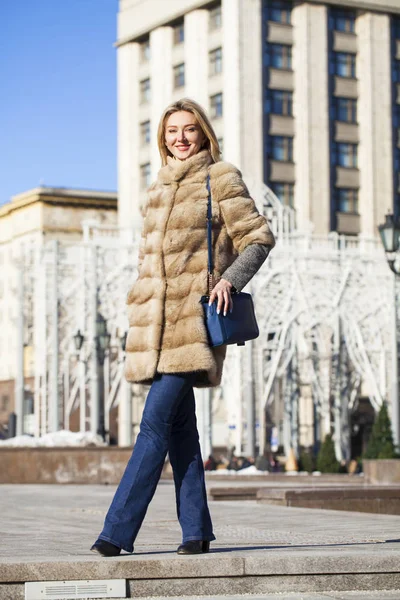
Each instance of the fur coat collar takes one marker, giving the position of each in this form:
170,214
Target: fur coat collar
166,325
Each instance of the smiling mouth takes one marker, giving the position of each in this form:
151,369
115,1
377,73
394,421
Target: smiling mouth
183,147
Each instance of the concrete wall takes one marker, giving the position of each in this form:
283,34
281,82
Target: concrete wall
63,465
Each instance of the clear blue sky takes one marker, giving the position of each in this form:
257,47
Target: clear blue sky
58,94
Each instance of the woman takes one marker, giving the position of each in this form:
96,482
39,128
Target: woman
167,343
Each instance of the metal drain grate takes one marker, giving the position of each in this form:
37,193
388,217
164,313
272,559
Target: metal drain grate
71,590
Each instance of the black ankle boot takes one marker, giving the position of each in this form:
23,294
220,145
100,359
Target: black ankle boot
194,547
105,548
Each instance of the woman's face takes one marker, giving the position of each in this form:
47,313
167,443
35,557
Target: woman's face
183,135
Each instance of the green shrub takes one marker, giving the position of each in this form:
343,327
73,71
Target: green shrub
380,443
306,461
326,459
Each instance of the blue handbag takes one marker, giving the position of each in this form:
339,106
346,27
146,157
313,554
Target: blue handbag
238,326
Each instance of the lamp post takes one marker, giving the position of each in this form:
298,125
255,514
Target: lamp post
78,341
102,344
390,236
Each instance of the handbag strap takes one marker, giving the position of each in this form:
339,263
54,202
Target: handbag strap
209,239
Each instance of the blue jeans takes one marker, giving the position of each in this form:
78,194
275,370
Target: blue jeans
168,425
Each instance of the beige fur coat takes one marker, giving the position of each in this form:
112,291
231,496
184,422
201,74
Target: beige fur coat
166,327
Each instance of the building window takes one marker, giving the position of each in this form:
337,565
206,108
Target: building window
145,132
346,155
281,148
145,91
284,192
145,50
347,200
280,102
216,107
280,56
145,176
345,64
344,21
346,110
178,33
396,27
179,76
396,71
279,11
215,61
215,18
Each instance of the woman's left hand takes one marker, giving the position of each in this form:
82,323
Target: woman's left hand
222,292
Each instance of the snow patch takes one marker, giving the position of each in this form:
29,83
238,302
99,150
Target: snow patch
58,439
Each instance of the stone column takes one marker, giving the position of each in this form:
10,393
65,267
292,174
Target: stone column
231,44
128,137
196,56
311,112
251,105
161,85
375,149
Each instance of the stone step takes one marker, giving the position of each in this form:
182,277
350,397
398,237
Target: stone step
244,492
242,572
370,499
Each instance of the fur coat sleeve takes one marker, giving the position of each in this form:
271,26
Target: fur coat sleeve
243,222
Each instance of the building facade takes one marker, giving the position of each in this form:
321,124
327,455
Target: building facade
304,96
28,223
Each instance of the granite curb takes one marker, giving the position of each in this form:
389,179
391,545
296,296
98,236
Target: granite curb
130,566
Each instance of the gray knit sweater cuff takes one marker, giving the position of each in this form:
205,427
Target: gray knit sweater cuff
246,265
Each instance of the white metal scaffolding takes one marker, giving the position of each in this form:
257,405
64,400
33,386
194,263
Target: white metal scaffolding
327,335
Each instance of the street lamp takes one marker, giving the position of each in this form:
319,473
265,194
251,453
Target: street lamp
102,338
78,340
390,236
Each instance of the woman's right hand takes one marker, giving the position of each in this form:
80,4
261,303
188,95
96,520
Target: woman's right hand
222,293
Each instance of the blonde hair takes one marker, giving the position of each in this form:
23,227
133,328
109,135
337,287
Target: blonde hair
190,106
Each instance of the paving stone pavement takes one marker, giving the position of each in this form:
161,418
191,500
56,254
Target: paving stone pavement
57,521
53,527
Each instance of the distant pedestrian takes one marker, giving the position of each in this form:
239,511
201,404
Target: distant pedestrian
167,343
210,464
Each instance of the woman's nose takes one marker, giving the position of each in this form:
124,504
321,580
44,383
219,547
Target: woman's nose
181,136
